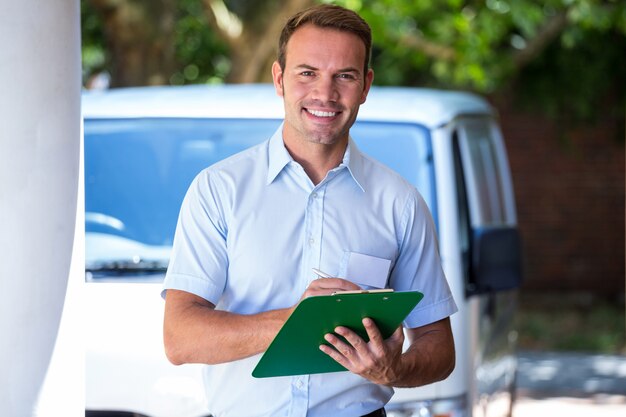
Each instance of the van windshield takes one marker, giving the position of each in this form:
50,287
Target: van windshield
137,172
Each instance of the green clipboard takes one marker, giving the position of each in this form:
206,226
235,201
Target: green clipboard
295,349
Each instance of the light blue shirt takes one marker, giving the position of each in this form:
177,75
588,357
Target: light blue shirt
252,227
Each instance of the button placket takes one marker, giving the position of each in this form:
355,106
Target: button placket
300,396
315,209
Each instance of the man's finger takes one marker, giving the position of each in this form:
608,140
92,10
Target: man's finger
376,338
336,355
351,337
338,344
337,284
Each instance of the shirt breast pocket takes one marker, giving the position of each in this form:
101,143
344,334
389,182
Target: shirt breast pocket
369,272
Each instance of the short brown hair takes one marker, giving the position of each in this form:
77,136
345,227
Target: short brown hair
331,17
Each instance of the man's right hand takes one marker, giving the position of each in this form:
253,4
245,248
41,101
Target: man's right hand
327,286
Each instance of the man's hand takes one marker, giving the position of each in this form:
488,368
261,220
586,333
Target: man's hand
429,358
326,286
377,360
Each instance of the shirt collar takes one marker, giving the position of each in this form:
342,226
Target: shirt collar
278,155
279,158
353,159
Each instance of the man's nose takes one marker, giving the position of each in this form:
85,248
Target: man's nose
325,89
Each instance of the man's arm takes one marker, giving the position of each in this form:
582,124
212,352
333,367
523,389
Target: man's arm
195,332
429,358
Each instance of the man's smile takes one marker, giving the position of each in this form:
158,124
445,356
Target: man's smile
320,113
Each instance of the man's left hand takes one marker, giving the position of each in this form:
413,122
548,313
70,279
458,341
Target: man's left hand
377,360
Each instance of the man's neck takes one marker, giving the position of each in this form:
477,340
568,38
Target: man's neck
317,159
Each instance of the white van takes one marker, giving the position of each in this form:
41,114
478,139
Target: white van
143,146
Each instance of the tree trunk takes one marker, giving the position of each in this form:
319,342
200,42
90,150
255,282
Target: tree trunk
255,47
140,38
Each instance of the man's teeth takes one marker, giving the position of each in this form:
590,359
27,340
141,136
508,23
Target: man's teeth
322,113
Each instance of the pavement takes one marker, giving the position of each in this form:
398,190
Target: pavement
571,384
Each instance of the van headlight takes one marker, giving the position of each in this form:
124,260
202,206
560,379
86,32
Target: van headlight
448,407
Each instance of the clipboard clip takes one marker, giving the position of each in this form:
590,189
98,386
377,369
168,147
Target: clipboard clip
381,290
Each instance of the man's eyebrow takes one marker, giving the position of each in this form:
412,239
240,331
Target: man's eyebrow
341,70
350,69
305,66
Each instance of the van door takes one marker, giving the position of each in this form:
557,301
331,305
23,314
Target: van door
491,258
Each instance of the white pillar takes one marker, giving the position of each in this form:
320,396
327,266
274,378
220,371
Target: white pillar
39,161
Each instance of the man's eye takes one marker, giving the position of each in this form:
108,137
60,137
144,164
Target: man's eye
346,76
307,73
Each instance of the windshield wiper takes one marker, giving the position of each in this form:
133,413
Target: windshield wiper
127,266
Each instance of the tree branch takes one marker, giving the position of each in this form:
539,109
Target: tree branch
268,40
420,44
548,33
227,25
253,52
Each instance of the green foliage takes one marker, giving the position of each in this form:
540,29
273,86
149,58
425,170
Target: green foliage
565,56
560,326
94,54
570,82
202,56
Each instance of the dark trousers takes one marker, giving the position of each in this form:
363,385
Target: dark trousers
378,413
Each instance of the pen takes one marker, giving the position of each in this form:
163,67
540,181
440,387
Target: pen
321,274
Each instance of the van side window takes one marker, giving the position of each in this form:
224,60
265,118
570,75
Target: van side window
482,174
484,229
463,207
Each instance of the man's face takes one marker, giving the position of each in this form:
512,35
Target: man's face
322,84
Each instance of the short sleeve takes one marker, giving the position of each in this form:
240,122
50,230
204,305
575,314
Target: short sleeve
418,266
199,261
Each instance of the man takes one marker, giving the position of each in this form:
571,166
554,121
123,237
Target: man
253,226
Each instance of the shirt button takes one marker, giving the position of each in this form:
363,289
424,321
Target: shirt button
314,195
299,384
311,241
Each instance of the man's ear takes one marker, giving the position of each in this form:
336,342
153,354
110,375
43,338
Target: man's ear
277,77
369,78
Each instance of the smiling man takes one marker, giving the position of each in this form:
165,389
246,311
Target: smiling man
253,226
322,89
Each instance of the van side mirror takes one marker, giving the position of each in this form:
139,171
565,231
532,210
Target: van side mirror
496,260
